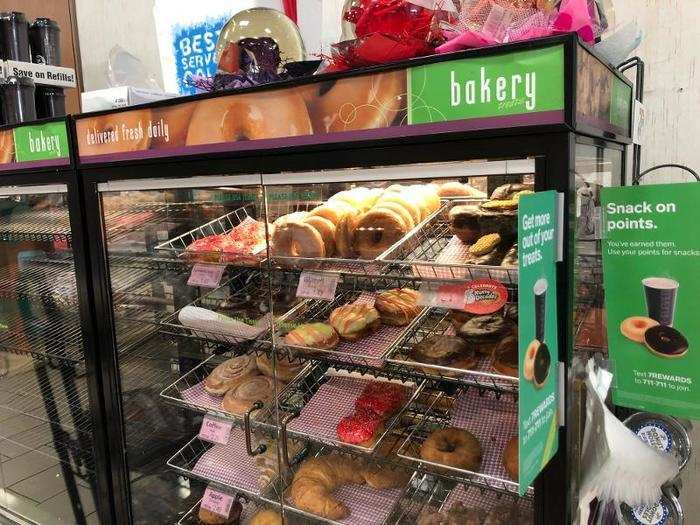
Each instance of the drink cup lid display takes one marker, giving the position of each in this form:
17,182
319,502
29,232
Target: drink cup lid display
45,22
14,16
667,511
19,81
663,433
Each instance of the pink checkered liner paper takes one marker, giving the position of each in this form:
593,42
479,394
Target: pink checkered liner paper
457,253
250,509
367,506
493,421
474,497
333,400
230,465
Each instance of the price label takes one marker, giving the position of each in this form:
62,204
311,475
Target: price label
206,275
217,502
314,285
215,430
451,296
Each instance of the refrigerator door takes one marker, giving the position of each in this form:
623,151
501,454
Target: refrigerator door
189,296
47,443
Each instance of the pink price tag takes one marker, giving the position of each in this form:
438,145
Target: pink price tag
314,285
452,296
206,275
215,430
217,502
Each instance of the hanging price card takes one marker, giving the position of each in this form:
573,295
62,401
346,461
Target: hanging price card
217,502
215,430
206,275
314,285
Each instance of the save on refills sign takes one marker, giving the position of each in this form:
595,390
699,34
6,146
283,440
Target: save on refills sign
522,83
651,259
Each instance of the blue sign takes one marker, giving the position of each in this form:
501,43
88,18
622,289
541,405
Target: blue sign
194,48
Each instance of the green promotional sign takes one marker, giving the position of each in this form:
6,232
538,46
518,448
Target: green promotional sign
501,85
651,259
41,141
621,105
538,334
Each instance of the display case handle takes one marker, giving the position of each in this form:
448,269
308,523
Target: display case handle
283,437
248,437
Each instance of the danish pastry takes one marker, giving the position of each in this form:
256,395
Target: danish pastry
313,335
229,373
241,397
398,307
353,321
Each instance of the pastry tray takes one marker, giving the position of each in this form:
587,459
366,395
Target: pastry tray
355,266
487,500
367,506
245,285
435,321
228,466
189,392
322,400
370,350
433,252
492,419
177,246
250,508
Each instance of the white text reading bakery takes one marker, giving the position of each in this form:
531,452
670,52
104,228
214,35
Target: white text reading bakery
44,143
507,92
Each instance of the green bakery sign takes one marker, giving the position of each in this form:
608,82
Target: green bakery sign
493,86
41,142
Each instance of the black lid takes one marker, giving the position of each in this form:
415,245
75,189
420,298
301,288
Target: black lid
51,90
45,22
21,81
15,16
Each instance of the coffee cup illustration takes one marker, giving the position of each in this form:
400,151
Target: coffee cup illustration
537,357
661,294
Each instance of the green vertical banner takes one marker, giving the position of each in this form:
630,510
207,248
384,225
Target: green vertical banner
493,86
538,234
41,141
651,261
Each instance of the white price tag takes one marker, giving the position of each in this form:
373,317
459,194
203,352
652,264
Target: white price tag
206,275
215,430
451,296
638,122
217,502
313,285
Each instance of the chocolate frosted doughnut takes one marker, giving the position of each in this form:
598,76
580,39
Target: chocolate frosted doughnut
665,341
485,331
543,360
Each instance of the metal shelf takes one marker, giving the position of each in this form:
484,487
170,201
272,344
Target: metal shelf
121,222
45,225
49,279
250,508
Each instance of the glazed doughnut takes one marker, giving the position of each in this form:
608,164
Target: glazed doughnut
178,118
344,233
510,458
634,328
333,211
7,146
529,363
408,203
355,103
327,230
297,239
376,231
397,208
114,123
452,447
263,115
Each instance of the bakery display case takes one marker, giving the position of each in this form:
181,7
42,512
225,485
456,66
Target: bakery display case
52,448
295,343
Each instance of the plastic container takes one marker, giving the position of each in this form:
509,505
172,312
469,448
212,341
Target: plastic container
668,511
50,102
664,433
18,103
14,37
44,37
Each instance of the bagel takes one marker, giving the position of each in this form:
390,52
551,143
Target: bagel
112,126
333,211
634,328
356,103
7,146
397,208
344,234
376,231
297,239
327,230
453,447
263,115
296,216
408,203
350,197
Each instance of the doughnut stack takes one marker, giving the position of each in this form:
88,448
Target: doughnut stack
360,222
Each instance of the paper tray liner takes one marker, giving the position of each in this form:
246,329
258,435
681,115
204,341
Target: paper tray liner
230,464
333,400
473,497
493,421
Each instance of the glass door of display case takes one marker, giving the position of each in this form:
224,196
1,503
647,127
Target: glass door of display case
48,459
189,296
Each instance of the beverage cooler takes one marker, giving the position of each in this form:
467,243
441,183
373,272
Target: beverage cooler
295,338
52,450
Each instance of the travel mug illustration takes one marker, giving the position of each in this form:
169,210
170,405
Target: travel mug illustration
537,357
661,293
